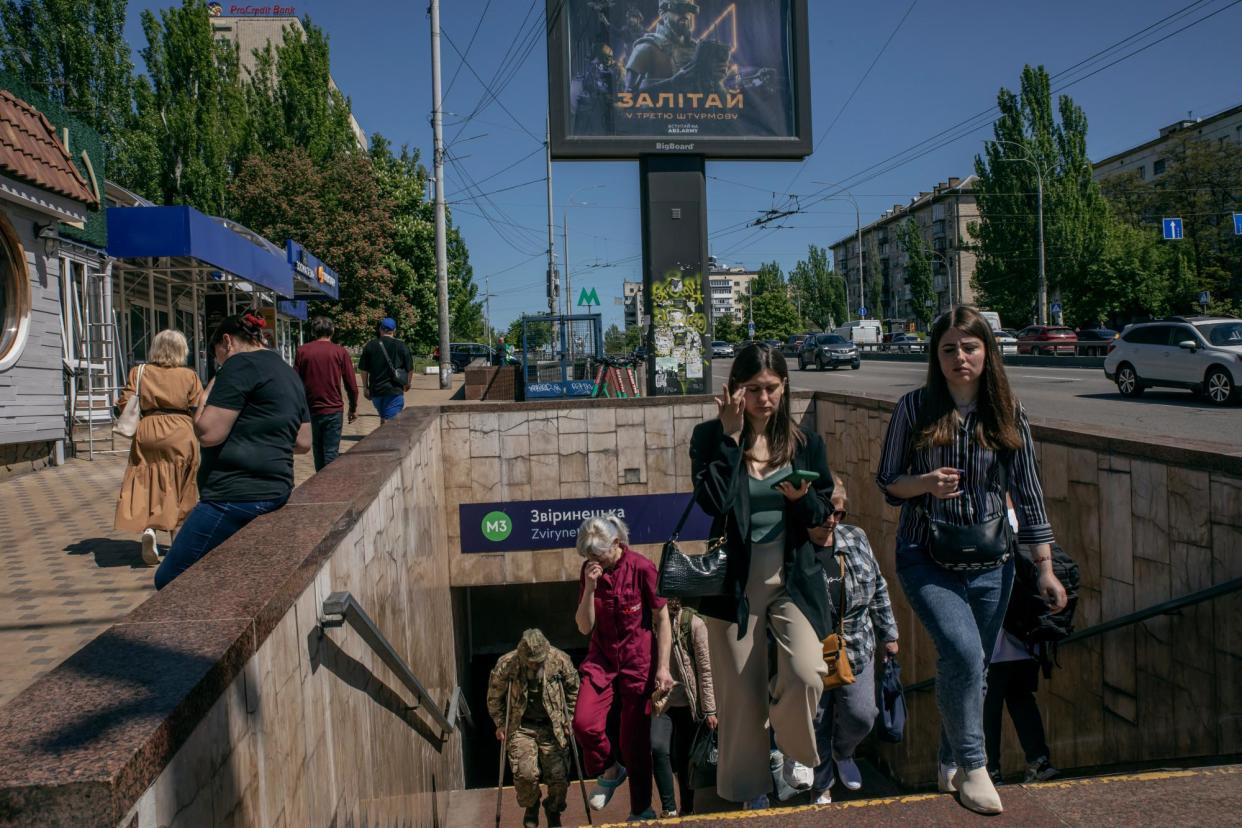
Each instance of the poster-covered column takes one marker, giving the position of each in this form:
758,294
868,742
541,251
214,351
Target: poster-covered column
674,213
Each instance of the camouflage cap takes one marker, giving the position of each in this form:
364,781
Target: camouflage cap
533,646
679,6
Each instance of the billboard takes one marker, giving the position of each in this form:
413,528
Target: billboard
716,78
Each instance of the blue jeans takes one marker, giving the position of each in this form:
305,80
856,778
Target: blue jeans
326,437
208,525
963,613
389,406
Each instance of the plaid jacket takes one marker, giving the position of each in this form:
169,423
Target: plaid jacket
868,612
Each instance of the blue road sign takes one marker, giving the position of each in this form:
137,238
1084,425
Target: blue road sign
1205,298
862,311
1172,228
750,329
1056,308
1237,224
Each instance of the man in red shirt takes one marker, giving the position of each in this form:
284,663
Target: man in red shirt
323,365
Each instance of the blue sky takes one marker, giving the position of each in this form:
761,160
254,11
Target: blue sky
944,64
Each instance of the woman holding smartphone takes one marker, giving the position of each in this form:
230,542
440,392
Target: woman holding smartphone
954,448
743,461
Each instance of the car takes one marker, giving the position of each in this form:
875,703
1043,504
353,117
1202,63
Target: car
823,350
1007,341
1199,353
462,354
720,348
1050,340
772,343
793,345
1094,341
906,343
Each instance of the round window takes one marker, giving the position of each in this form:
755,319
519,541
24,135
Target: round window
14,296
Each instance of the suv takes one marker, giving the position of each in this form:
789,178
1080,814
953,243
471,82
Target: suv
1051,340
462,354
1203,354
822,350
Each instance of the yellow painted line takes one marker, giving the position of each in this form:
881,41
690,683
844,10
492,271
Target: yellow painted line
768,813
1148,776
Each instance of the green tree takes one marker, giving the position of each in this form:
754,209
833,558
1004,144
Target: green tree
73,52
1027,135
293,100
726,328
191,112
614,340
538,334
918,270
774,313
337,209
1130,279
820,291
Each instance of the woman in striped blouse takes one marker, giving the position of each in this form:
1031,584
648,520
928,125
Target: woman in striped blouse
953,448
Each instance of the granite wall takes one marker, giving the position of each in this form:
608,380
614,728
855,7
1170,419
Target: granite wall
1146,522
220,701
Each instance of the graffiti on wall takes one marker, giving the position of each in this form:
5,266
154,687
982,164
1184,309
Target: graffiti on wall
679,331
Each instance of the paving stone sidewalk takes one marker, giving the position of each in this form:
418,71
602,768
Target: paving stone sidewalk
66,576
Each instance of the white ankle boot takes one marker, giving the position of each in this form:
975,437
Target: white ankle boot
976,791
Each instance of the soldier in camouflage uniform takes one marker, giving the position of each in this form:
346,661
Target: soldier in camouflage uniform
542,687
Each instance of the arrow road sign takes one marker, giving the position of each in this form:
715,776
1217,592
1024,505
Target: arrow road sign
1172,228
862,311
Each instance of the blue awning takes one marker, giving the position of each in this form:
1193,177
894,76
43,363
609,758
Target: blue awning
139,232
294,308
312,279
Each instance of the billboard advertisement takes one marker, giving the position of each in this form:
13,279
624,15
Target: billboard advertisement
717,78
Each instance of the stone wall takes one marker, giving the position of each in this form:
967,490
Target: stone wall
220,701
545,451
1146,523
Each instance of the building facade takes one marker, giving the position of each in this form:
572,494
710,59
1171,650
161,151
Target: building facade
943,216
1147,160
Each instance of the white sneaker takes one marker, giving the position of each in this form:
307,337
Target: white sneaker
944,778
824,798
797,775
150,550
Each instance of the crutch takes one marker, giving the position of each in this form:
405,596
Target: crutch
573,747
504,750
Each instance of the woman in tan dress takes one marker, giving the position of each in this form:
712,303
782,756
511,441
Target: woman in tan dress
159,489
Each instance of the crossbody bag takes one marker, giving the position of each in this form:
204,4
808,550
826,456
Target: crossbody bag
836,659
399,375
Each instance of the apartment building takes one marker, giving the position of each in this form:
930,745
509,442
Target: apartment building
1148,160
253,32
943,216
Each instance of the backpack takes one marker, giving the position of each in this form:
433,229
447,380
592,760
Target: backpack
1028,618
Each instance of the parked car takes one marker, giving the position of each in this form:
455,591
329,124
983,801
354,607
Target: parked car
1200,353
720,348
823,350
1007,341
906,343
1051,340
793,345
1094,341
462,354
773,343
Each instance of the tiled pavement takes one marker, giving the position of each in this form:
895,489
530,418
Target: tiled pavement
66,576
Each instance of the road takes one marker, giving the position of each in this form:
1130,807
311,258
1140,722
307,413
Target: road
1079,396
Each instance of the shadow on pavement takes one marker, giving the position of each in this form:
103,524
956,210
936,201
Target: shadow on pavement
110,552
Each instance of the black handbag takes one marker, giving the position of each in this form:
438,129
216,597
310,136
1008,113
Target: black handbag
890,720
692,576
976,547
704,754
399,375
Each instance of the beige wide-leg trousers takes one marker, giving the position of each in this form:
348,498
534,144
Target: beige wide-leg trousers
740,674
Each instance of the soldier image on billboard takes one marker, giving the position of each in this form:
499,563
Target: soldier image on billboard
670,59
535,687
600,82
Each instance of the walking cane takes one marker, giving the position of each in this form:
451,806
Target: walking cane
573,748
504,750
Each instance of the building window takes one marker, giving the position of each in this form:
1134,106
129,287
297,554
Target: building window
14,296
1142,171
1157,167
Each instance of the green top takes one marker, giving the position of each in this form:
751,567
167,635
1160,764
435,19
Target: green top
767,507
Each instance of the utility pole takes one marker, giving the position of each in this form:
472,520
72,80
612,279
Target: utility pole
569,293
437,126
552,280
487,307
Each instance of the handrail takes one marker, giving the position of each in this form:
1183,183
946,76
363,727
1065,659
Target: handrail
1163,608
342,608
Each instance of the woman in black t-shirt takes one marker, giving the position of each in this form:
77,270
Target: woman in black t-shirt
252,419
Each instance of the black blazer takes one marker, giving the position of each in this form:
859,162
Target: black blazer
722,490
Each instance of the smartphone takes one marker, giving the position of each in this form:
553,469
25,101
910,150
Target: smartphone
795,478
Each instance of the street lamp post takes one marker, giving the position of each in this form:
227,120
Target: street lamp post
948,273
862,303
1042,311
569,294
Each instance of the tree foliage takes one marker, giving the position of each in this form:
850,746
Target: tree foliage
774,313
820,291
918,269
728,329
1029,135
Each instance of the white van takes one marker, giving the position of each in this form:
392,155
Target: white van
993,319
861,330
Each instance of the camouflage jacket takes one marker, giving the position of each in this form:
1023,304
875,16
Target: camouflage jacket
560,684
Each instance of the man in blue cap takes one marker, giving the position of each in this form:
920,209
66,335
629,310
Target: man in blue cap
385,365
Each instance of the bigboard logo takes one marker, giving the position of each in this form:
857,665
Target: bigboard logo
496,526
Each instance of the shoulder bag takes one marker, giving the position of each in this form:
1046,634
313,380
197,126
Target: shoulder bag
976,547
399,375
704,755
840,673
127,423
692,576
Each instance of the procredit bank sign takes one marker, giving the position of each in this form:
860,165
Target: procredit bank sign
235,10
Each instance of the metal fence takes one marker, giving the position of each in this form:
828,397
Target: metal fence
560,354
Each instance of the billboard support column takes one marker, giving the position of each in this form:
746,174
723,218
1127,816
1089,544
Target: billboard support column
675,281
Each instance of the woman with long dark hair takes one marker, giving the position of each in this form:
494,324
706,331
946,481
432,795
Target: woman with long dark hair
954,448
775,582
252,419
